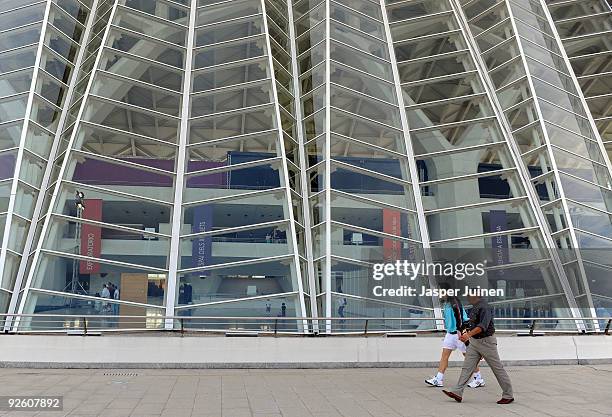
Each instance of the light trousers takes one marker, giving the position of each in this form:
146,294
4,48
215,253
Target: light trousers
487,349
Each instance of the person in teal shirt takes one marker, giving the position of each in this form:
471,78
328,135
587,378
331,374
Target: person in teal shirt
452,312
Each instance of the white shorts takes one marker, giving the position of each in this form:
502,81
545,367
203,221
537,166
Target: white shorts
452,342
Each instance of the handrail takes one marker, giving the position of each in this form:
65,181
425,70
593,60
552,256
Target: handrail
87,324
289,318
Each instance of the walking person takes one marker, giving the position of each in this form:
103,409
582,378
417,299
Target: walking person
482,343
105,294
268,307
455,319
116,297
342,303
111,290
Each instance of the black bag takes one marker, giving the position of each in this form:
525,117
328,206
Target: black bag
458,312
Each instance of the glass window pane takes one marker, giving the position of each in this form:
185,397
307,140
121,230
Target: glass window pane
229,52
458,110
459,136
232,124
10,135
136,94
150,26
472,190
32,169
204,291
24,204
43,303
122,245
221,13
473,221
361,61
231,99
586,193
22,16
233,74
365,106
165,10
147,48
230,30
427,25
13,107
222,248
114,175
19,37
142,70
420,48
358,81
407,10
15,83
69,27
131,119
358,40
17,59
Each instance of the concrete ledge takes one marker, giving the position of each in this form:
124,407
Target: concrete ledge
40,351
286,365
593,349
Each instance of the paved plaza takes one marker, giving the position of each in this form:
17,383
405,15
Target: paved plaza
393,392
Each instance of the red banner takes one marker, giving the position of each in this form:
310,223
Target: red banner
91,237
392,224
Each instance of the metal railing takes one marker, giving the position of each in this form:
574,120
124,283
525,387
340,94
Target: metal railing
287,326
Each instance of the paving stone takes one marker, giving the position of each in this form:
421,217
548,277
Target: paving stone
540,391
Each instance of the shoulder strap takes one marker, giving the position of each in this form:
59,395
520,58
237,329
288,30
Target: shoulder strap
456,305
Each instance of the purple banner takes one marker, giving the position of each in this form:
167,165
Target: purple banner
498,221
97,172
7,165
201,251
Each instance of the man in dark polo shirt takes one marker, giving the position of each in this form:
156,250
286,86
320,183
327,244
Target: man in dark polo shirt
482,343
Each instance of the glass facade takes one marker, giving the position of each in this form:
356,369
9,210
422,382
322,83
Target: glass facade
257,158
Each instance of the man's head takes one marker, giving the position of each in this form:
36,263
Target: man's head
472,298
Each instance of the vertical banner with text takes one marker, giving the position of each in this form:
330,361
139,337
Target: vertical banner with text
392,224
498,220
201,249
91,236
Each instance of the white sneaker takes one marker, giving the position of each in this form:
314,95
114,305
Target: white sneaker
434,382
476,383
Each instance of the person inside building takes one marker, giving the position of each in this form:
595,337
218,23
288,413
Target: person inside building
268,307
105,294
115,297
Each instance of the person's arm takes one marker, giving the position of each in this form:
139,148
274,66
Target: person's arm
483,323
467,335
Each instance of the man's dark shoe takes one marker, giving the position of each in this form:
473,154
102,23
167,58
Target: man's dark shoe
505,401
453,395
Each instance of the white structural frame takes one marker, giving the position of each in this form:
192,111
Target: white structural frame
19,160
57,186
49,168
179,180
551,157
285,170
414,177
303,168
515,154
